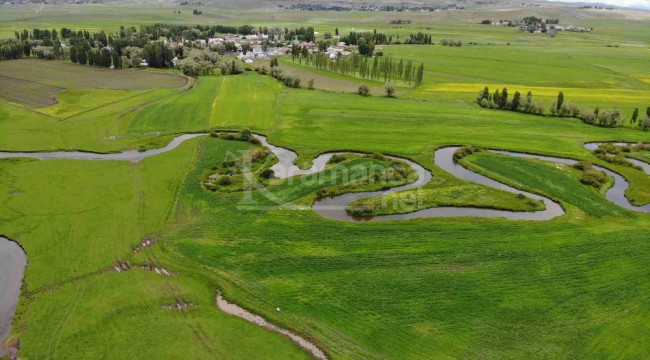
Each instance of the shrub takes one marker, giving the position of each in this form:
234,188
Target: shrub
593,178
390,89
589,118
295,82
364,90
378,156
224,180
360,210
267,174
254,141
464,151
617,160
257,154
337,158
245,135
583,166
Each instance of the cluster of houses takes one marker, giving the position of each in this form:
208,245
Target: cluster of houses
538,28
251,47
254,44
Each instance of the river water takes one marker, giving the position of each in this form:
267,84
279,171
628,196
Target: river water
12,265
13,260
335,207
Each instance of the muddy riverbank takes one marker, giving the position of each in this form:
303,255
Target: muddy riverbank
236,310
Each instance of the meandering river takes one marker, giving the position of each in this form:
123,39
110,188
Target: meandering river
130,155
335,207
13,259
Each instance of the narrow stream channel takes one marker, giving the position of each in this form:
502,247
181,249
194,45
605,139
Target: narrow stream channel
12,265
130,155
13,259
335,207
644,165
236,310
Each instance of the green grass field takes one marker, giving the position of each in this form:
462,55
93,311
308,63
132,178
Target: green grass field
570,288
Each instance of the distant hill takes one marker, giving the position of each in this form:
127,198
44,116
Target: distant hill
274,4
619,4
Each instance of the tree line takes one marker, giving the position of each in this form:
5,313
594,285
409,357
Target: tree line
376,68
559,108
124,48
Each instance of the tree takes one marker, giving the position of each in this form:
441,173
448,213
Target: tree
305,53
496,98
646,123
560,100
420,74
647,111
390,89
336,31
516,101
485,94
364,90
310,84
589,118
635,115
295,51
503,100
528,106
596,112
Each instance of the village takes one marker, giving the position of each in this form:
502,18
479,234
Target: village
249,48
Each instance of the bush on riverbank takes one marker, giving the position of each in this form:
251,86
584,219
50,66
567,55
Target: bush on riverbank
464,152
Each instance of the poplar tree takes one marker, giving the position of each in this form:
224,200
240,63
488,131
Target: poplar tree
420,74
516,101
635,115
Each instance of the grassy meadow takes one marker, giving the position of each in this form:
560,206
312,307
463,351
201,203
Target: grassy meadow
573,287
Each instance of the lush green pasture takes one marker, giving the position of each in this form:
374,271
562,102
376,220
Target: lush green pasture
245,101
73,102
101,129
545,177
74,305
429,288
65,237
573,287
187,111
449,194
119,315
327,80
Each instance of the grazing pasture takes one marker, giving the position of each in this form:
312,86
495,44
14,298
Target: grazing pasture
572,287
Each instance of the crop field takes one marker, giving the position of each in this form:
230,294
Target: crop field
36,83
27,92
125,258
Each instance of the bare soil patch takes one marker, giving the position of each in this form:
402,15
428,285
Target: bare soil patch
27,92
35,83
